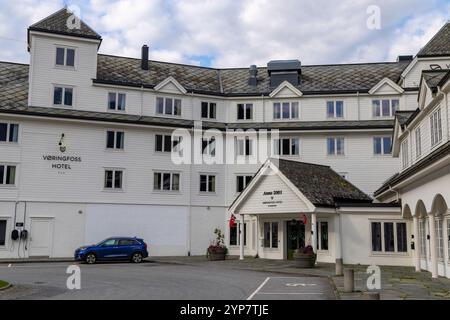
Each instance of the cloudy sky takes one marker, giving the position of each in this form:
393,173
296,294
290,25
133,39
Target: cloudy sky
237,33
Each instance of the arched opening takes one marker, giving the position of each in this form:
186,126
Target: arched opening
421,211
438,209
406,212
439,206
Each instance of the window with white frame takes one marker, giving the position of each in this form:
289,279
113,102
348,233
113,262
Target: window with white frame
113,179
209,146
244,146
286,147
384,107
235,238
322,235
208,110
3,223
7,175
382,145
116,101
115,140
335,146
440,238
9,132
418,142
405,153
168,106
166,143
166,181
244,111
436,127
270,234
65,57
335,109
242,182
448,239
207,183
389,237
62,96
285,110
422,238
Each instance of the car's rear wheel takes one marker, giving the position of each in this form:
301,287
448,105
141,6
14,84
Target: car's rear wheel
136,257
91,258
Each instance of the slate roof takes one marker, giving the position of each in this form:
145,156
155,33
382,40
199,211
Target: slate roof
57,23
343,78
439,45
320,184
403,116
433,78
13,84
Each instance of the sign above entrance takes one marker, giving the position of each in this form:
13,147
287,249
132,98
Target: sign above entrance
271,198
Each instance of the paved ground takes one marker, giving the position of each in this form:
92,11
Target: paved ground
158,280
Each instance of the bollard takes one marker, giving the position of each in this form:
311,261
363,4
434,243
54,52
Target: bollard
339,267
372,295
349,280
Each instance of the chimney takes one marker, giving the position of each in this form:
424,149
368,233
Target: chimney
253,81
144,57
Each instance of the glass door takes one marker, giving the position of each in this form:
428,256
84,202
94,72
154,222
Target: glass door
295,236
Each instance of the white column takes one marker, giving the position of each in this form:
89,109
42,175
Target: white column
313,231
433,246
417,243
337,236
241,237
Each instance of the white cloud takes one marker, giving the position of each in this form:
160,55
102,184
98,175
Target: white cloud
239,33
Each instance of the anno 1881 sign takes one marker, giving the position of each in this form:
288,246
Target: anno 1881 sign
61,162
269,198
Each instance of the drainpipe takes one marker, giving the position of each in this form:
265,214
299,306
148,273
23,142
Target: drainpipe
359,105
396,192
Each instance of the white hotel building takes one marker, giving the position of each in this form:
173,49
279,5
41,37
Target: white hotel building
85,151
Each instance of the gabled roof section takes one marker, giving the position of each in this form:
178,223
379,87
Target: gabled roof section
433,78
386,82
439,45
57,23
170,81
286,89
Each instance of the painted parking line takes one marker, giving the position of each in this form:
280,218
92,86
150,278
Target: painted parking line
293,288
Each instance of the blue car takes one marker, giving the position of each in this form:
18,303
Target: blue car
120,248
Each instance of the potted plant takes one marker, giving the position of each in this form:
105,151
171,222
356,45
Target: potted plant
217,249
304,257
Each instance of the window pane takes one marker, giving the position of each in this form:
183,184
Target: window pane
169,106
401,237
167,143
395,104
70,57
376,236
120,140
108,179
266,234
204,109
330,146
13,132
166,181
121,102
387,145
239,183
376,108
176,181
118,179
385,108
248,111
294,110
324,235
3,131
110,139
340,146
57,95
112,101
68,96
276,146
60,56
274,234
248,147
212,183
377,145
389,237
295,146
10,175
276,111
203,182
330,109
159,142
240,111
157,181
233,235
286,146
2,232
212,110
286,110
160,105
2,174
339,109
177,107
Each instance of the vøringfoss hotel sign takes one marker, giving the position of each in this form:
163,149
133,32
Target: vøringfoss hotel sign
61,162
269,198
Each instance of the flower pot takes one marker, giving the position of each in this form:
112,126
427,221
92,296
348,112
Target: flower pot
216,256
304,260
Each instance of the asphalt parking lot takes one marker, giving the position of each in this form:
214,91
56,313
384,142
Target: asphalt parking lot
155,281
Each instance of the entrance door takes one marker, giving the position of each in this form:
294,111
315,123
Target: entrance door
41,237
295,236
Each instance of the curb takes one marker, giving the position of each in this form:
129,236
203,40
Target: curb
34,261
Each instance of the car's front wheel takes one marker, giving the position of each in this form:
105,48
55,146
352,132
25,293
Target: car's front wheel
136,257
91,258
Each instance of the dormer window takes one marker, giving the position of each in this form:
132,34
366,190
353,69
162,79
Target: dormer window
65,57
384,107
168,106
62,96
208,110
116,101
285,110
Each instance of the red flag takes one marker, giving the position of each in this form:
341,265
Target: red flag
232,221
305,219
